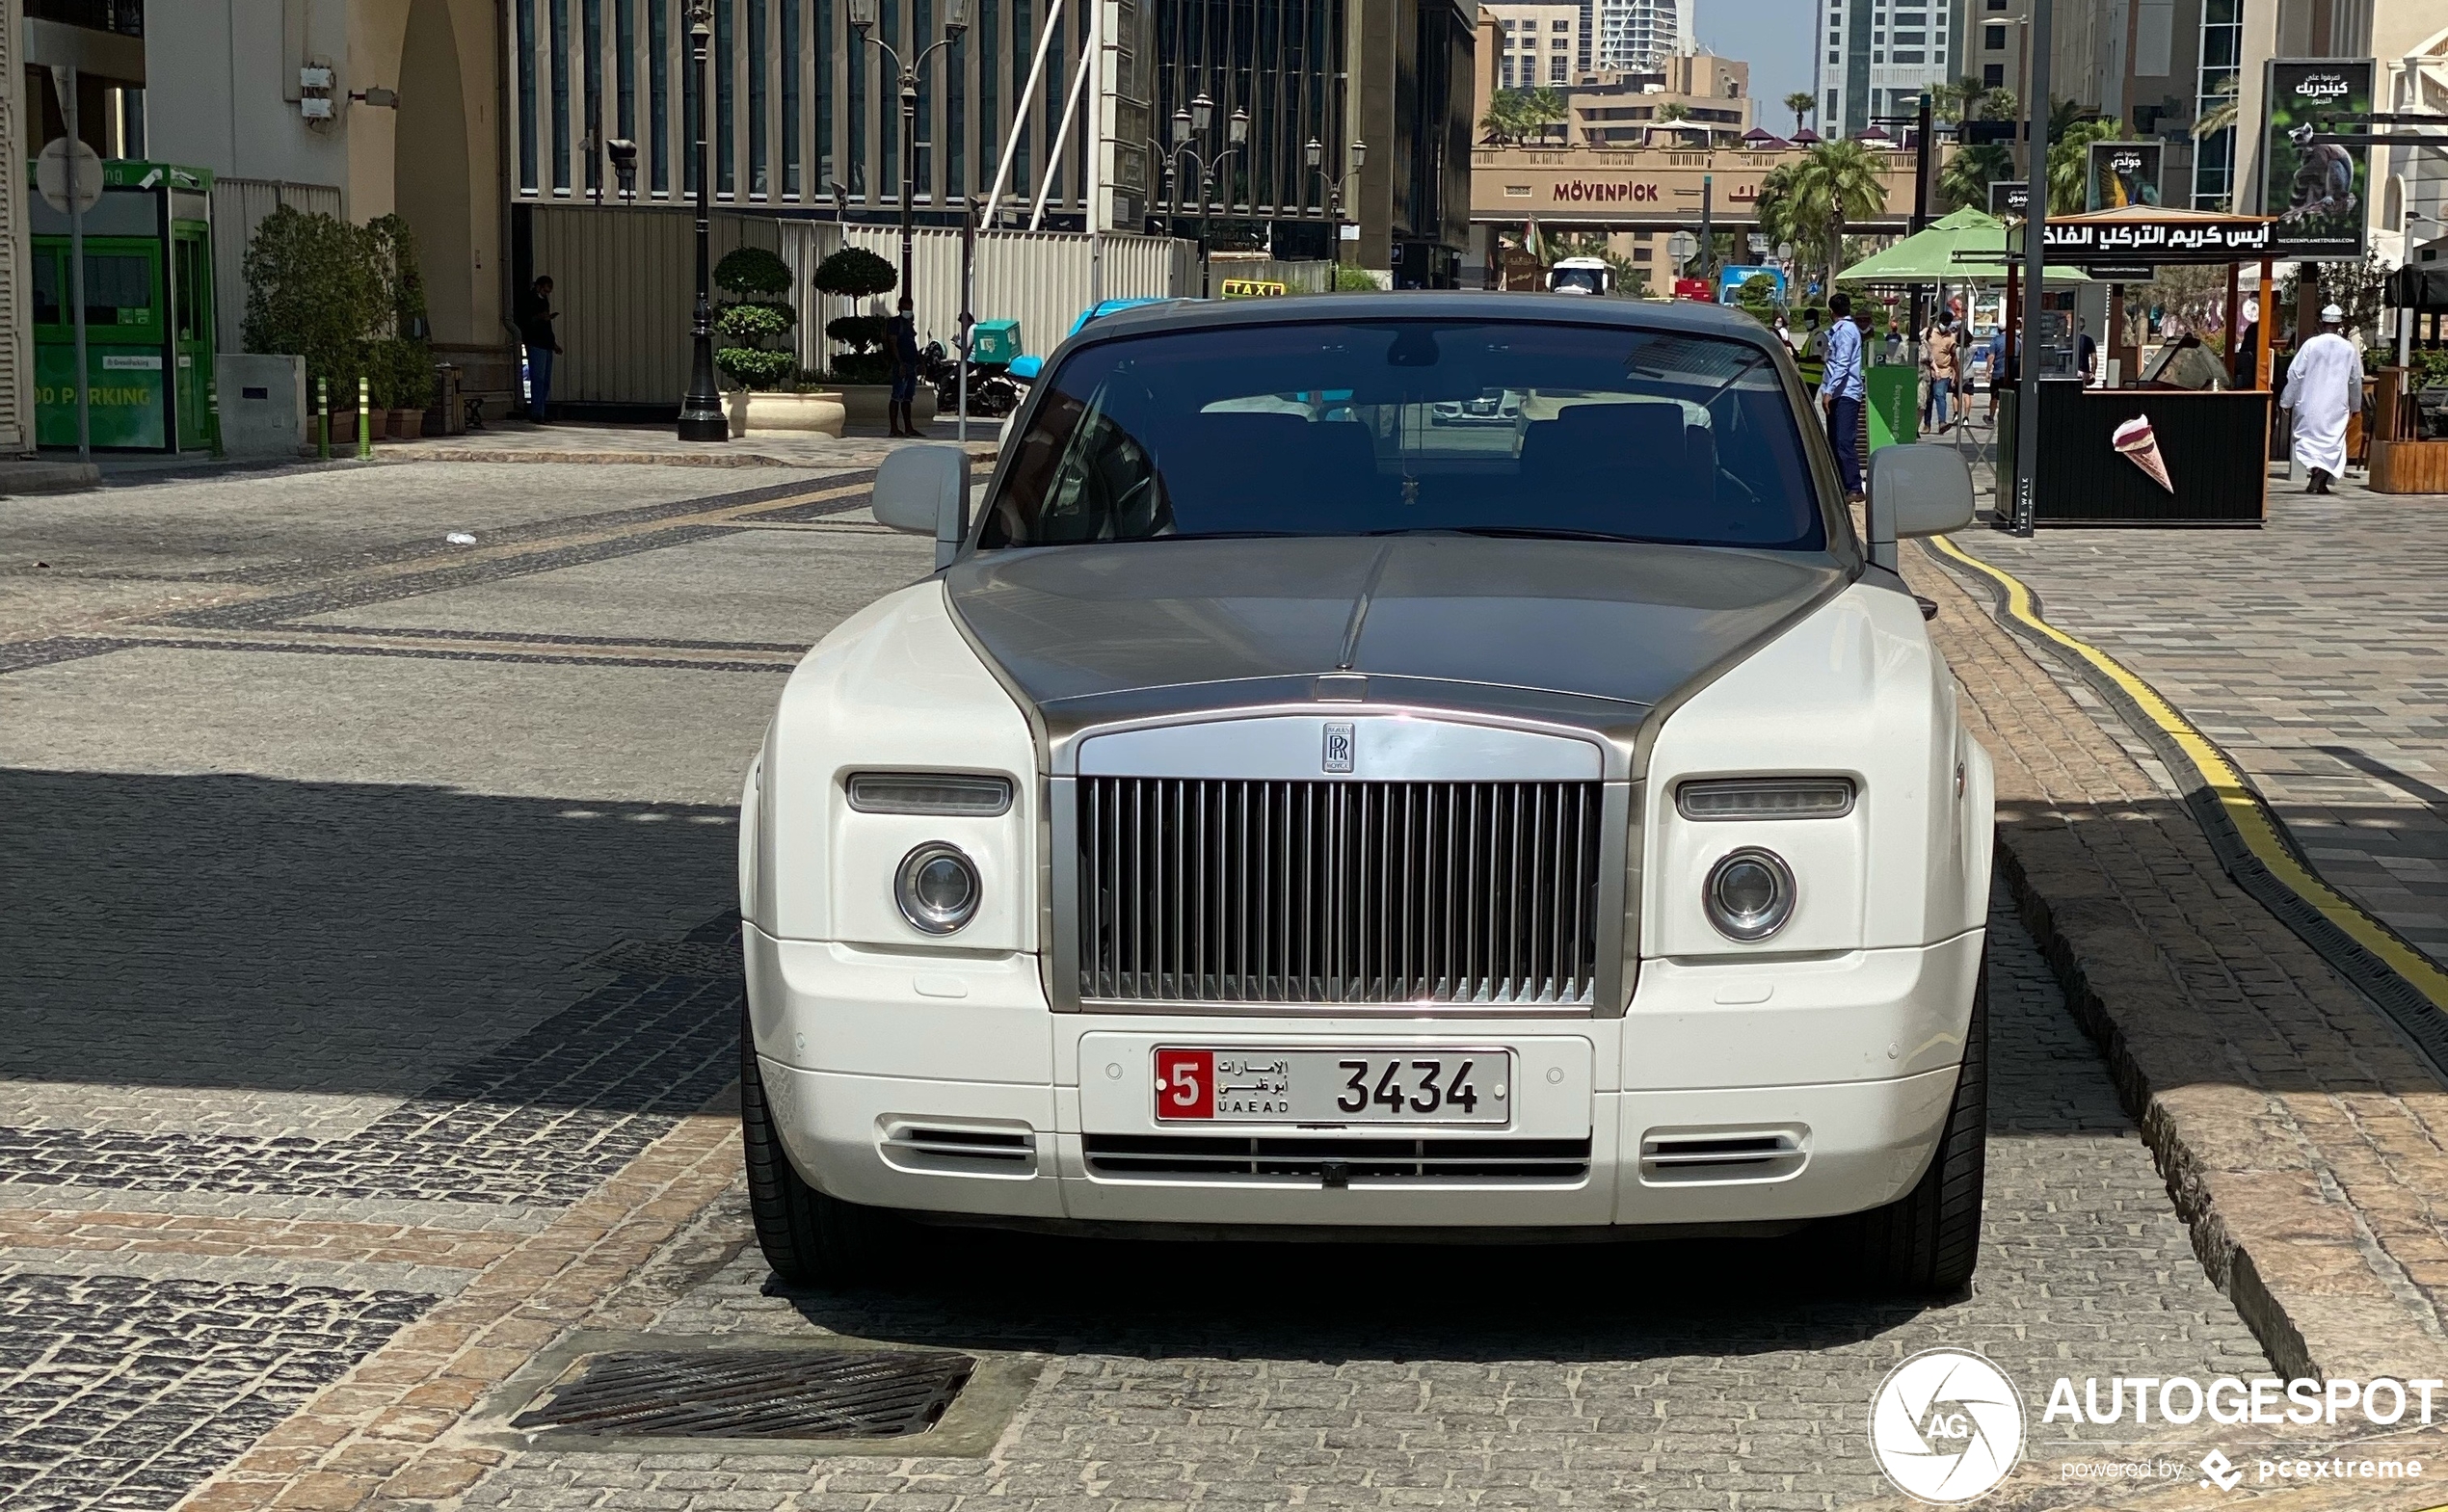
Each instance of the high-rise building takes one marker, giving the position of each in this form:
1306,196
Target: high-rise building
1641,33
1543,42
1878,57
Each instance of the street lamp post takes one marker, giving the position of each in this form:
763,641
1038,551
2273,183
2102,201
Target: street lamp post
1315,155
1189,123
702,417
863,26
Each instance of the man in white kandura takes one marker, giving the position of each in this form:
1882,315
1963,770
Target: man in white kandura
2323,388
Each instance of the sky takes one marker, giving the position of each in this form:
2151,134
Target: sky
1773,36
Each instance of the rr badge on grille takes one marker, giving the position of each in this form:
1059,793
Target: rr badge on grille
1338,746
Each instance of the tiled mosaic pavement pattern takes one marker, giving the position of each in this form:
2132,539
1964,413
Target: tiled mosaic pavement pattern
120,1392
367,922
1674,1375
2314,650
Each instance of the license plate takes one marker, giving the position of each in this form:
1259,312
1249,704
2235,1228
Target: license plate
1214,1086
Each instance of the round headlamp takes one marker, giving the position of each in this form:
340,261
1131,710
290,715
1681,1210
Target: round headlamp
937,888
1749,894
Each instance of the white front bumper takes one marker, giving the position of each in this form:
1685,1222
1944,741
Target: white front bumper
947,1086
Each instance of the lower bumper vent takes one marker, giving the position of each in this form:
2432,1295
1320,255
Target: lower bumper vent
1721,1155
1335,1161
754,1394
926,1147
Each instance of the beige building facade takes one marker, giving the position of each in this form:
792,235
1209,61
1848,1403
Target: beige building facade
1597,189
360,108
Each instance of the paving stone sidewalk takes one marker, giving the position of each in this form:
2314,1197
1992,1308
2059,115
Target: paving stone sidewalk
2301,1135
2314,650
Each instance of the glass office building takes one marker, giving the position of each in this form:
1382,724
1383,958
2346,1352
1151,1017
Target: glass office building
804,118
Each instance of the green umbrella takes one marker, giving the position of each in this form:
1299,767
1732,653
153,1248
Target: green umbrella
1965,247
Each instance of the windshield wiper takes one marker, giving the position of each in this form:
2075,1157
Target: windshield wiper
1527,531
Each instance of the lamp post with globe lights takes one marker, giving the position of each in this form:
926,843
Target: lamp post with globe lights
863,26
702,417
1191,124
1315,155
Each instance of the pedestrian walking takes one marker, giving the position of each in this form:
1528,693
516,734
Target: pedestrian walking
1938,347
535,333
2323,385
1842,390
901,354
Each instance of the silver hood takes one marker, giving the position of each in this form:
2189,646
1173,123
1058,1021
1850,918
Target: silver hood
1112,629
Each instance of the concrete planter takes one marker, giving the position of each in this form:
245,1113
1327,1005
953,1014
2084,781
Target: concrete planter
866,402
809,414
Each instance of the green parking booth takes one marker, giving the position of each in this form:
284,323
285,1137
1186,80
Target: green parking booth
148,313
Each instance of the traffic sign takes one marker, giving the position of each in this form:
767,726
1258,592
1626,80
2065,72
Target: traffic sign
1682,247
51,175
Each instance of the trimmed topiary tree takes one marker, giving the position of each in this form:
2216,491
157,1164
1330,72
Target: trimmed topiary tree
756,316
856,274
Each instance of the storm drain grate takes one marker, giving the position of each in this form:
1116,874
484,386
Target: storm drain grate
754,1394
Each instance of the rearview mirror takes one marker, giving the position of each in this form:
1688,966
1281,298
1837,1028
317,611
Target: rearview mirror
1915,491
924,489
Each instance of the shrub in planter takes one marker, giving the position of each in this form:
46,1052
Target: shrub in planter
312,289
754,318
400,372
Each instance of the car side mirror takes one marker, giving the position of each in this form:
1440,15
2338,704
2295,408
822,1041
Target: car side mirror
1922,490
924,490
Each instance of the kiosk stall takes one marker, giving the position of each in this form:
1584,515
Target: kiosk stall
2153,451
148,313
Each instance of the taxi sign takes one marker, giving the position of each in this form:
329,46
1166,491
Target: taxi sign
1253,290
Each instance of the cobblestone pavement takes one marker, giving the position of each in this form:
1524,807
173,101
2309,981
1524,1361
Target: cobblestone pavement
367,900
2315,650
1675,1376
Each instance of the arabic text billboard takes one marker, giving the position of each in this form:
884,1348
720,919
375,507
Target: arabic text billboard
2009,198
2317,190
2121,174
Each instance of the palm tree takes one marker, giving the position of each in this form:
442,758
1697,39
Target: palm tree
1542,108
1801,103
1834,182
1774,206
1504,123
2069,163
1967,179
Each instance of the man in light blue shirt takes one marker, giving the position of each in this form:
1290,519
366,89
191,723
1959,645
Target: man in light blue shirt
1840,392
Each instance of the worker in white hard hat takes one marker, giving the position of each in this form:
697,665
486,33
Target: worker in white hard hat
2323,388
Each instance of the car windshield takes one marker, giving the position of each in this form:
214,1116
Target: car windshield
1402,426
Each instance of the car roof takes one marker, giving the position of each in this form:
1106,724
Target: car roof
1686,317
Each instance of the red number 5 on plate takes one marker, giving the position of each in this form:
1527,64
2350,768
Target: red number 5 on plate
1186,1083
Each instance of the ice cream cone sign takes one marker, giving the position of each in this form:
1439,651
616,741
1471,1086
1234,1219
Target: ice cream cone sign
2140,447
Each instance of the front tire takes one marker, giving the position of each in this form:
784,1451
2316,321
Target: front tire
810,1239
1928,1241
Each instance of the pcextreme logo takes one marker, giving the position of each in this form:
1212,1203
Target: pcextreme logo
1946,1426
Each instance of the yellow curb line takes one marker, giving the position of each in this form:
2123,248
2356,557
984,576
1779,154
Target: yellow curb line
2244,809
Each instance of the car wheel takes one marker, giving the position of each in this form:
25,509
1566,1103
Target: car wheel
1929,1240
810,1239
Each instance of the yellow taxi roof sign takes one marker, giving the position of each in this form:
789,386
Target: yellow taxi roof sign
1253,290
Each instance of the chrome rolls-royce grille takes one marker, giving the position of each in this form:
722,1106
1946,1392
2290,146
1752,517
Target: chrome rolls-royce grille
1231,891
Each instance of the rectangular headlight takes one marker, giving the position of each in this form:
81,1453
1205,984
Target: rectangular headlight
930,792
1766,798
